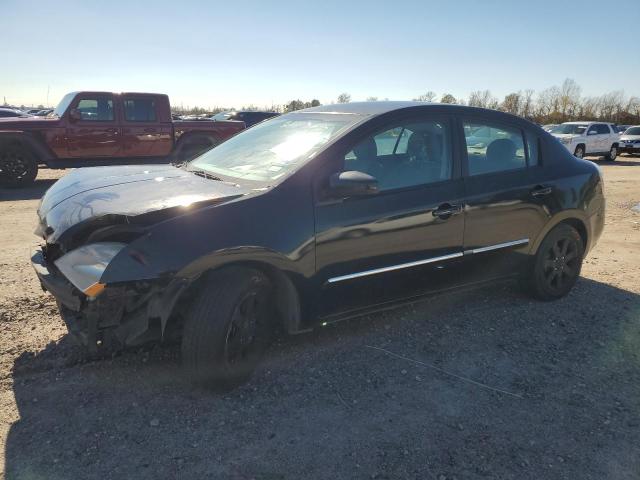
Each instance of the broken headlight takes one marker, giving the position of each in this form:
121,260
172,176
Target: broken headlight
84,266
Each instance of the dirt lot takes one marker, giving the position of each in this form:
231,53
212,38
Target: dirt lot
548,390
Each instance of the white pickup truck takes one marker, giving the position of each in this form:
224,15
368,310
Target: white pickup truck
588,138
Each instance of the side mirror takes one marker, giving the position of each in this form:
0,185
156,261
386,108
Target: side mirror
352,183
75,114
592,132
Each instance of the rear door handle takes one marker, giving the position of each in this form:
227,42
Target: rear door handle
446,210
541,191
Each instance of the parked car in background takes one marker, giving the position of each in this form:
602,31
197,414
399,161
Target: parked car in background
630,140
309,218
43,113
622,128
103,128
10,112
250,118
588,138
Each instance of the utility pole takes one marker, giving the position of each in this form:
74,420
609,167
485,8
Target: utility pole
47,104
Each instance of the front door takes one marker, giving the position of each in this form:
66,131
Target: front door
97,132
507,197
374,248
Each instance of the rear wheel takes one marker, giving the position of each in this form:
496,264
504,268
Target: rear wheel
613,153
228,327
579,151
194,146
556,266
18,167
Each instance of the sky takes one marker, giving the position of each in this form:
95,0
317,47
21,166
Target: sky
236,53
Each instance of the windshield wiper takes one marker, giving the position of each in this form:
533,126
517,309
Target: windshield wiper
207,175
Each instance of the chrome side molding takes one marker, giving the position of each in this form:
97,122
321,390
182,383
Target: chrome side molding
394,267
417,263
497,246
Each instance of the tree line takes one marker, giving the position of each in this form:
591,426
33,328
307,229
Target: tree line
555,104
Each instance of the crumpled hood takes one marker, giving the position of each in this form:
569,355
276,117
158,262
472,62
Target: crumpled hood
130,190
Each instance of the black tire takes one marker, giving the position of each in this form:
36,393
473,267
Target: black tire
18,166
579,152
613,153
194,146
228,327
557,264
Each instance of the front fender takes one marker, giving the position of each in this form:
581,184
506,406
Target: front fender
28,140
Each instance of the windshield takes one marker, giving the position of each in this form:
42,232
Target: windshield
272,149
64,103
632,131
569,128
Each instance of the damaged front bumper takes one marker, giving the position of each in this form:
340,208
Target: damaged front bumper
122,315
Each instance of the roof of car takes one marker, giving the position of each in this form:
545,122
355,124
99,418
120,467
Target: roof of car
364,108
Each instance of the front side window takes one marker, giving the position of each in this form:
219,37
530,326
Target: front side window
603,129
406,155
271,150
492,148
140,110
96,109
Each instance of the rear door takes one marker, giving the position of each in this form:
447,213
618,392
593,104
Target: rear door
506,197
143,133
97,132
376,248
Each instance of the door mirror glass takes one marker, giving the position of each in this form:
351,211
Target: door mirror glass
352,183
75,114
592,132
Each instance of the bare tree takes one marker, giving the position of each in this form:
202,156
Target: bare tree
483,99
372,99
426,97
512,103
448,98
527,103
569,99
344,98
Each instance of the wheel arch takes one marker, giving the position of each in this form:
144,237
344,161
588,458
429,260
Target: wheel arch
575,218
287,297
36,147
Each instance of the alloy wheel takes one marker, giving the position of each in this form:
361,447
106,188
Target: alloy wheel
613,153
562,264
243,328
14,165
579,152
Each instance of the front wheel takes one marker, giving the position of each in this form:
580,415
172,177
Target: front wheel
228,327
556,266
579,151
18,167
613,153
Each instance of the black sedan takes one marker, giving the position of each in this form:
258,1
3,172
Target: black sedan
309,218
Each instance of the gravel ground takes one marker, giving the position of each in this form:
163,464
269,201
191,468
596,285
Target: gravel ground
484,384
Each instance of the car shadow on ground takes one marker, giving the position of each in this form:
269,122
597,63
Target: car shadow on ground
32,192
487,383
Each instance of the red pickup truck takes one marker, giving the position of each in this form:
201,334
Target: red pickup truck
101,128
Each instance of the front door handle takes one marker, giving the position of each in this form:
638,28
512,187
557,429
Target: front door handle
541,191
445,210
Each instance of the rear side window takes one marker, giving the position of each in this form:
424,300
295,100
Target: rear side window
96,109
492,148
140,110
532,148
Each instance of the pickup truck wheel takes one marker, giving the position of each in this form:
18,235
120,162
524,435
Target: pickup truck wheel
192,147
227,327
557,264
18,166
613,153
579,151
